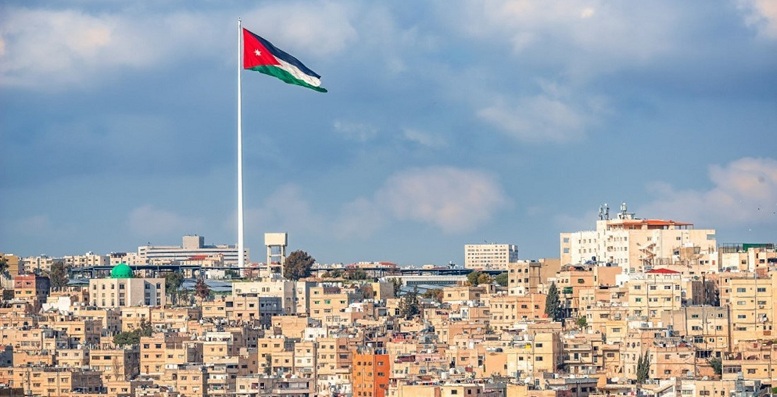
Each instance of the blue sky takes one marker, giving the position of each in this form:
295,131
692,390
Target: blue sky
446,123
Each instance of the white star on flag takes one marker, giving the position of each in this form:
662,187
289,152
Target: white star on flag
258,53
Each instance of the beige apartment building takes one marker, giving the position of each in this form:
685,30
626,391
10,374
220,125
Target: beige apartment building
49,381
463,293
283,289
42,263
135,317
31,288
13,262
73,358
747,257
654,292
538,353
752,304
123,290
160,350
109,318
528,276
86,260
118,364
489,256
327,302
78,331
609,320
753,360
704,327
635,244
188,379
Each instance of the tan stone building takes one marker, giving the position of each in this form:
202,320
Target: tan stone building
123,290
752,305
327,302
704,327
489,256
636,244
31,288
654,292
189,380
118,364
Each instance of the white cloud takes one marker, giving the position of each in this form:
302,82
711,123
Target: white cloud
316,29
552,116
286,209
453,199
744,193
424,138
148,221
51,49
761,14
360,132
359,218
585,37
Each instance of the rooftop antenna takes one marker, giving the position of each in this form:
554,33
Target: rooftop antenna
604,212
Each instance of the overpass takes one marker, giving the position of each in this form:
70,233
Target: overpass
373,271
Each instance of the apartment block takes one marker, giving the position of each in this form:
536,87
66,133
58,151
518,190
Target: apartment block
637,245
370,374
489,256
752,305
654,292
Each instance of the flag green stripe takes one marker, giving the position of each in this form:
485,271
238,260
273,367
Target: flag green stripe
285,76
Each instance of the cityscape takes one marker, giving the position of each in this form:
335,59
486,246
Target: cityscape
388,199
633,307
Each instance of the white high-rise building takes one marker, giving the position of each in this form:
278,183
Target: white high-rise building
635,244
489,256
193,246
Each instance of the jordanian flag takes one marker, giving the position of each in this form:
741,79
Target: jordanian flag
260,55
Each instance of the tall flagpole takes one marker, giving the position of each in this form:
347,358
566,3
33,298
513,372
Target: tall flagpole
240,249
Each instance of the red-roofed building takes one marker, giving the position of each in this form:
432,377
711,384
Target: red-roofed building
662,271
639,245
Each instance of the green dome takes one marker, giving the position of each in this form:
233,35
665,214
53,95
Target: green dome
122,270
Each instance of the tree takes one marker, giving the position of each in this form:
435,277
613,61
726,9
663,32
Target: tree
643,368
367,291
3,266
502,279
201,289
58,275
298,265
396,284
133,337
553,304
408,306
582,322
268,364
477,277
173,282
436,294
717,365
355,274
